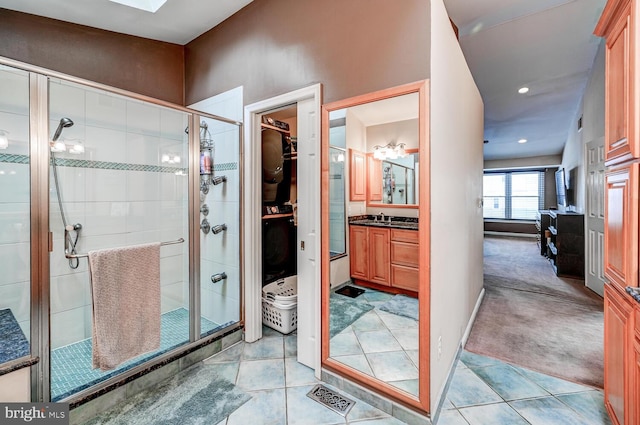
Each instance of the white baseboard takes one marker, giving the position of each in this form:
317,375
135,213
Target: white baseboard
472,318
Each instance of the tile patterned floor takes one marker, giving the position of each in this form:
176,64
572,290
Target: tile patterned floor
268,371
380,344
71,368
486,391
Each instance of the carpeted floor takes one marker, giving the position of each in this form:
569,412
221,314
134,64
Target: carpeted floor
532,318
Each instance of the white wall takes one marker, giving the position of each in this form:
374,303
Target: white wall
16,386
456,190
591,109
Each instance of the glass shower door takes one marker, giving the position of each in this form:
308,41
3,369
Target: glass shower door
119,178
15,226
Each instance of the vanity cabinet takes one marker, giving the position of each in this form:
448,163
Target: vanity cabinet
379,268
357,175
359,252
383,256
404,259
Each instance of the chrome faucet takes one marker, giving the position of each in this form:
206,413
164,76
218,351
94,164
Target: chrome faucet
381,216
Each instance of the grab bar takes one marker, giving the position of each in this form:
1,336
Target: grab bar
66,251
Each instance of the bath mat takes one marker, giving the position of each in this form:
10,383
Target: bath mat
402,305
350,291
14,343
344,311
197,395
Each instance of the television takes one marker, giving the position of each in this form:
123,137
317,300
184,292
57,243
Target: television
561,189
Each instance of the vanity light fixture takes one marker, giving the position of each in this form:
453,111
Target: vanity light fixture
4,139
389,151
523,90
521,141
170,158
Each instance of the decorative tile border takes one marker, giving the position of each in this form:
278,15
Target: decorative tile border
105,165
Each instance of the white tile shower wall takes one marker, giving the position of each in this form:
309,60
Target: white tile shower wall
221,253
14,198
117,207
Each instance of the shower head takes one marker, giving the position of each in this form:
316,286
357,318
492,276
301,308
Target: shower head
64,123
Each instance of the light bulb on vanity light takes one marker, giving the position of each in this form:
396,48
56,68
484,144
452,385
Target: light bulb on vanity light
4,139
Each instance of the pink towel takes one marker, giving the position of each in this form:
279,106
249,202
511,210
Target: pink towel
125,286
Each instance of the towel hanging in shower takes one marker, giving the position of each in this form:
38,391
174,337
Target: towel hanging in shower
125,286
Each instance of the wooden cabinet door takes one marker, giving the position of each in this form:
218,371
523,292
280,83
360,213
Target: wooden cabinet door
405,277
379,265
617,334
621,226
357,176
619,140
359,252
634,398
374,184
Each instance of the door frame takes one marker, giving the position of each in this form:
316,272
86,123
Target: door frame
253,224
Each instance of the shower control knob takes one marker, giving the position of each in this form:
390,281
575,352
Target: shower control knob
218,228
218,179
204,210
218,277
205,226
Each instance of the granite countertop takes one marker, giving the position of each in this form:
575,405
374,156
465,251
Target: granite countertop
406,223
634,292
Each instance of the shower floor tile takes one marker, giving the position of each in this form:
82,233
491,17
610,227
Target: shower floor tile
71,366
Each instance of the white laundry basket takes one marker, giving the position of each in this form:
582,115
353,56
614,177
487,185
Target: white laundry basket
280,305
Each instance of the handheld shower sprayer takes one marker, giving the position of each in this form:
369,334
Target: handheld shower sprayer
64,123
70,242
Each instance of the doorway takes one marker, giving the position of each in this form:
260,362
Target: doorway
307,247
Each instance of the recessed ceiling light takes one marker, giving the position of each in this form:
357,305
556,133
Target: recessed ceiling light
521,90
146,5
521,141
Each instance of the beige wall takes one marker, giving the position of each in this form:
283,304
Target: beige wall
16,386
531,162
275,46
456,190
148,67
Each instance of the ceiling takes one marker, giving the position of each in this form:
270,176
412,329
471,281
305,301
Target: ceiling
546,45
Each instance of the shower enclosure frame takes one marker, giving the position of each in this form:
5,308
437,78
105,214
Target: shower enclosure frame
42,238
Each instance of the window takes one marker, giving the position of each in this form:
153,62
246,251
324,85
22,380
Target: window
513,195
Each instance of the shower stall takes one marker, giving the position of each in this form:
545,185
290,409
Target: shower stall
86,167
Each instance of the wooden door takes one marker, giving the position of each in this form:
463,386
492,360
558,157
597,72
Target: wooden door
617,332
359,252
374,186
621,226
357,176
379,265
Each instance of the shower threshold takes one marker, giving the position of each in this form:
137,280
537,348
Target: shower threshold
71,365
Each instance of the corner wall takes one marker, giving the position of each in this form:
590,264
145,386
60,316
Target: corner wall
456,191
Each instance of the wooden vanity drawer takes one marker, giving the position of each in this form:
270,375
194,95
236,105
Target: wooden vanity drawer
404,277
410,236
404,254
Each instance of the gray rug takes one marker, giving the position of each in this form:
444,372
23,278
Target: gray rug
198,395
401,305
344,311
532,318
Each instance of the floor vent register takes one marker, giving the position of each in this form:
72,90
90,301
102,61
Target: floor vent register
334,401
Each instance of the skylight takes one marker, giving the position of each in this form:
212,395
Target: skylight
146,5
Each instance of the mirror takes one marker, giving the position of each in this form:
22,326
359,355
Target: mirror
371,324
400,180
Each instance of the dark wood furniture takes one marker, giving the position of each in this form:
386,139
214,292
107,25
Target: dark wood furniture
542,224
565,247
